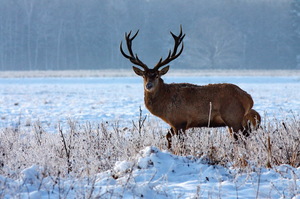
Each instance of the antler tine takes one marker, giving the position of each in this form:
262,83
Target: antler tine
173,55
133,58
178,39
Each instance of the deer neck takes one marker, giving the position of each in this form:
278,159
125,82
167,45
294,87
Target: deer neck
154,100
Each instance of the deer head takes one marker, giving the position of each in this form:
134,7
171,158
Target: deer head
152,76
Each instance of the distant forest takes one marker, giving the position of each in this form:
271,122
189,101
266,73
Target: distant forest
86,34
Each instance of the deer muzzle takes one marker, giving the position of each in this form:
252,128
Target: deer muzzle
149,86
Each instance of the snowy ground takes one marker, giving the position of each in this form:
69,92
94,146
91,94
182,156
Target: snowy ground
51,100
152,173
157,174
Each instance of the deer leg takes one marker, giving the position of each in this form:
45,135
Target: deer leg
233,116
169,137
173,132
181,134
233,127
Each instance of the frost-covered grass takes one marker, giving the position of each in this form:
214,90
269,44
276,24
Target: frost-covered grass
91,148
110,161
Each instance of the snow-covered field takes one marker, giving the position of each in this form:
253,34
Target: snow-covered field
51,100
152,173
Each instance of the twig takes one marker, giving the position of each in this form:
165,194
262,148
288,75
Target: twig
209,114
66,148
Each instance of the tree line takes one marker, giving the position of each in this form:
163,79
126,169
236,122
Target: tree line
86,34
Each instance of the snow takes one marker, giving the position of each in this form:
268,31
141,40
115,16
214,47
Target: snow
52,100
159,174
152,173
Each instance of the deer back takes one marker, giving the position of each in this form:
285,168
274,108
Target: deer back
190,104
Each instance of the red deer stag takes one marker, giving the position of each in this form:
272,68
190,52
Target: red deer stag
184,105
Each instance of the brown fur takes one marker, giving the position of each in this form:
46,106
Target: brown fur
185,106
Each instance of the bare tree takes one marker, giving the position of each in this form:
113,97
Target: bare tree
216,44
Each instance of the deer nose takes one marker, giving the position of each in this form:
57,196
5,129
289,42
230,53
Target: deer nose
149,85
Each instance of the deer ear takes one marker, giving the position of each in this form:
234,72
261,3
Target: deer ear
164,70
138,71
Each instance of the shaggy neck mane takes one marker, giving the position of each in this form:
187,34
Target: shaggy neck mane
153,100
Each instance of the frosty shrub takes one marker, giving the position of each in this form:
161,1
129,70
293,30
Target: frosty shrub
83,150
274,143
77,149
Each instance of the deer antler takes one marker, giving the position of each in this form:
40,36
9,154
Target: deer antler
172,55
133,58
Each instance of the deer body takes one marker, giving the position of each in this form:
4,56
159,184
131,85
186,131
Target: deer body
185,106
